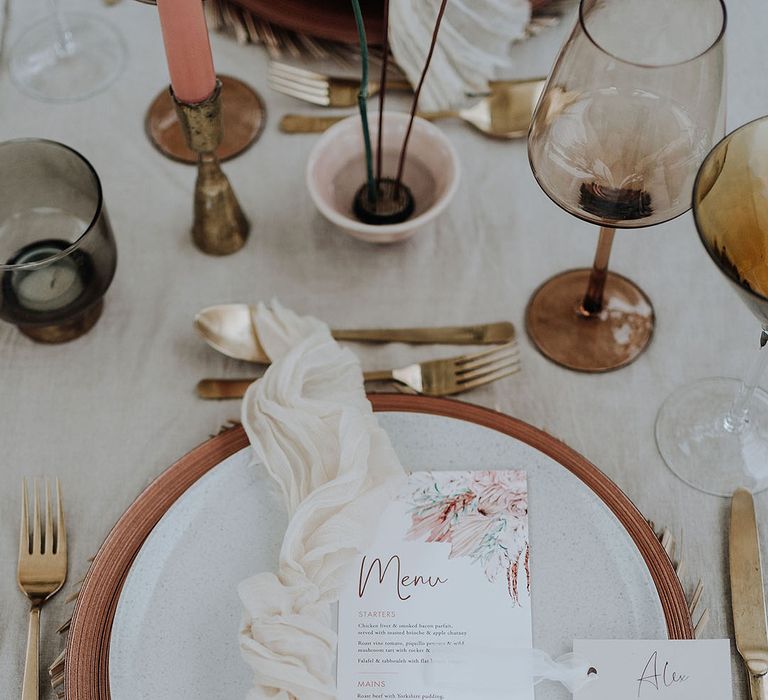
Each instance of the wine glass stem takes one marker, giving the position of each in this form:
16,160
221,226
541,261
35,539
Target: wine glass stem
593,299
738,417
64,44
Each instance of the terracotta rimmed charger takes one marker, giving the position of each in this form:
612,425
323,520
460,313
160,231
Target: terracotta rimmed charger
87,666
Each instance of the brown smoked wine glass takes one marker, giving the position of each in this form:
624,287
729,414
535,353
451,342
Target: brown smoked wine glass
714,433
634,103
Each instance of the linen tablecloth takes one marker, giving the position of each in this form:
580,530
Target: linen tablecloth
110,411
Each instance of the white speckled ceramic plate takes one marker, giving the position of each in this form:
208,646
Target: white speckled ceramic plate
595,572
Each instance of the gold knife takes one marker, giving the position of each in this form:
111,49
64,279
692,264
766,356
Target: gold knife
747,596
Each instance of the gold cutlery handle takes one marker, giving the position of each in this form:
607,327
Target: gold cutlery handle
449,335
30,689
436,116
399,84
311,124
384,375
758,685
308,123
223,388
218,389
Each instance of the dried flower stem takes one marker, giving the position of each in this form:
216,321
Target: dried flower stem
362,102
382,94
401,164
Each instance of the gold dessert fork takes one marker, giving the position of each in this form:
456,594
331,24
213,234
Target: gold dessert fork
434,378
42,571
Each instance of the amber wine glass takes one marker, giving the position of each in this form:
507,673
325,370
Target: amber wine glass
714,433
632,106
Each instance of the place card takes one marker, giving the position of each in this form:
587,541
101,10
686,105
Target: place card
657,669
440,604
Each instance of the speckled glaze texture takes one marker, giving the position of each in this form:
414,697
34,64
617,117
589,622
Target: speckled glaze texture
175,628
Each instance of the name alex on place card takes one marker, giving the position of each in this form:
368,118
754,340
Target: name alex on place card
657,669
443,589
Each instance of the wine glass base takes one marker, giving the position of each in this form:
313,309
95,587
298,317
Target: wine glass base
601,342
693,440
47,69
68,330
242,112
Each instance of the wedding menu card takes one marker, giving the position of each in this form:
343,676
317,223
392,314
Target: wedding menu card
440,607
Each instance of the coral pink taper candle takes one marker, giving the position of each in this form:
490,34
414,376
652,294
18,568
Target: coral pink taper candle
187,48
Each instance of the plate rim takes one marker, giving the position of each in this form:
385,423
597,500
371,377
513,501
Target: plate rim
87,650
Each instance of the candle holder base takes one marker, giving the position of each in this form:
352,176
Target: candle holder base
243,116
611,338
65,331
219,227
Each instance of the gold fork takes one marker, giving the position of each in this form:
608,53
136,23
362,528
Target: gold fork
434,378
319,89
41,573
505,113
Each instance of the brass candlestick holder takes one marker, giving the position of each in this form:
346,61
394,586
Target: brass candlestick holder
242,112
219,226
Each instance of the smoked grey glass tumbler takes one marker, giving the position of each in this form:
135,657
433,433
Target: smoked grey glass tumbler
57,249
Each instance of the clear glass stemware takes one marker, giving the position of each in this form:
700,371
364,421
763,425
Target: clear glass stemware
68,56
632,106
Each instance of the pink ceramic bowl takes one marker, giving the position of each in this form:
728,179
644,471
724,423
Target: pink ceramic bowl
336,170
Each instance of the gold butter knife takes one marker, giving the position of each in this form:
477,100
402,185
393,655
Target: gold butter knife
747,596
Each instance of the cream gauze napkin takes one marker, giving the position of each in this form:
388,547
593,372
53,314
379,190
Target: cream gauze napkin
473,44
312,427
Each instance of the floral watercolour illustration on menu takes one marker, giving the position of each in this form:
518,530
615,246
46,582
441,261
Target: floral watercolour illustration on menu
482,515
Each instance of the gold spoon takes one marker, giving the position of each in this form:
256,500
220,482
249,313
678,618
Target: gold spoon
505,113
229,329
